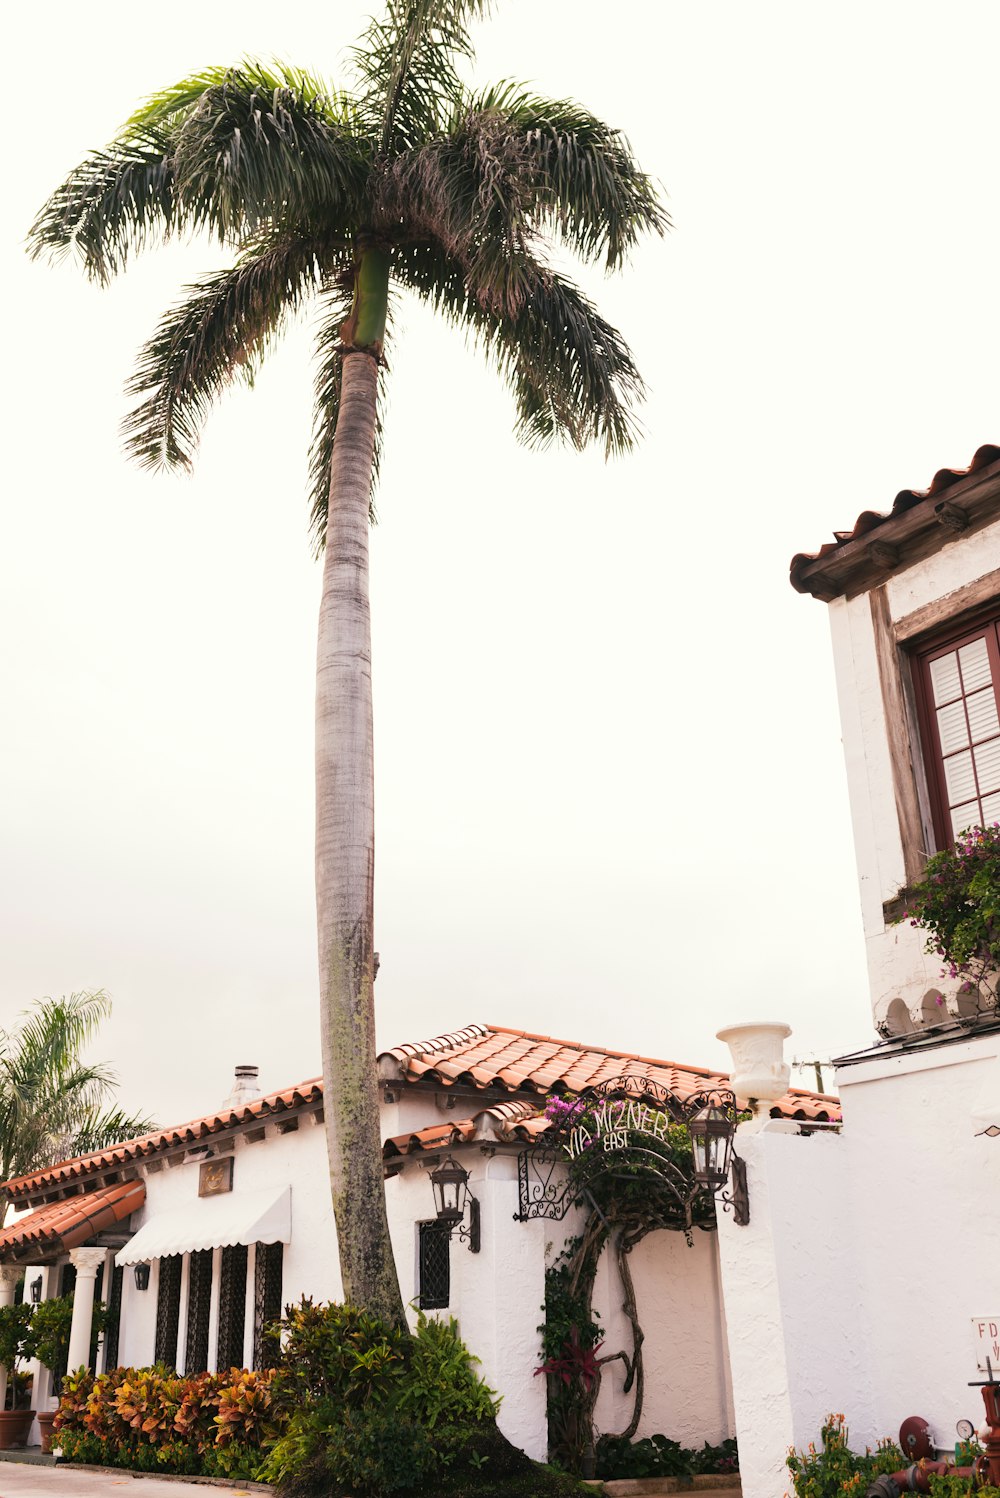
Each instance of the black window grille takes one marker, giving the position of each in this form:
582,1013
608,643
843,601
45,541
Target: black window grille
113,1327
168,1310
98,1299
199,1304
434,1288
266,1302
67,1279
232,1308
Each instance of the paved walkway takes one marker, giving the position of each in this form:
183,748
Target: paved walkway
19,1480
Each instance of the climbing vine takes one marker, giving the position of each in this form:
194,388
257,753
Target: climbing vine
647,1184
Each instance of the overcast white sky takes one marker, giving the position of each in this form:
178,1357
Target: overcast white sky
610,794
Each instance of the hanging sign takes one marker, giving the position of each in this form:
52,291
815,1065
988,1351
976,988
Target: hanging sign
986,1335
610,1126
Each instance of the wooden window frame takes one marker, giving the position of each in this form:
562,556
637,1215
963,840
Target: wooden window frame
898,645
930,737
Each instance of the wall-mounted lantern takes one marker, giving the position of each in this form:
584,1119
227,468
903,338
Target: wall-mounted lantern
142,1276
35,1291
451,1195
712,1130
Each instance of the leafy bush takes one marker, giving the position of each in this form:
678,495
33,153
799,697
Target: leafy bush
153,1420
957,902
960,1487
15,1343
440,1384
658,1456
835,1471
364,1399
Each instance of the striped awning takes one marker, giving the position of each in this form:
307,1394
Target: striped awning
60,1226
213,1222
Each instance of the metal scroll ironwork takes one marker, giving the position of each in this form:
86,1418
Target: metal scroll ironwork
608,1136
232,1307
268,1264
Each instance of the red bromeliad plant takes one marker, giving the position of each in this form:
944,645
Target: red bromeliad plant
576,1362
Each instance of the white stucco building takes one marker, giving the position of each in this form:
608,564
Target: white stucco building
871,1267
196,1236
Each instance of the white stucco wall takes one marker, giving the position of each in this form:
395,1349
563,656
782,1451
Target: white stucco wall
926,1208
897,964
686,1362
790,1280
310,1264
867,1256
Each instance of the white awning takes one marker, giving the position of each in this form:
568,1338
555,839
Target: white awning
213,1222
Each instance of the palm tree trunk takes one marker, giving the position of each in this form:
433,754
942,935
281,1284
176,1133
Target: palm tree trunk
345,856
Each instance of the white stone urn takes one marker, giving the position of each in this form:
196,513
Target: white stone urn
759,1067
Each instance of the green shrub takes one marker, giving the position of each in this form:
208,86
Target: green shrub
658,1456
959,1487
338,1352
835,1471
440,1384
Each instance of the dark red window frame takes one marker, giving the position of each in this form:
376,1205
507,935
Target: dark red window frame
988,625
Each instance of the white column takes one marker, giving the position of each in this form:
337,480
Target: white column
87,1262
9,1276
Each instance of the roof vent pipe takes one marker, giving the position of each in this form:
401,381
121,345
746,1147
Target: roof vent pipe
245,1087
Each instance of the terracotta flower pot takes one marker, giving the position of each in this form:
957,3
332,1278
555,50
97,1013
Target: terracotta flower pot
45,1419
14,1427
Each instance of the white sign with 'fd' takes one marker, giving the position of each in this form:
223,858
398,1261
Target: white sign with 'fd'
986,1333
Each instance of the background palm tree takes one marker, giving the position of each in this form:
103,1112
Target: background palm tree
54,1105
409,181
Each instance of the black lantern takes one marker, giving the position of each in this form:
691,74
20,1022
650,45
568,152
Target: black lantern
451,1193
142,1276
712,1130
35,1290
711,1133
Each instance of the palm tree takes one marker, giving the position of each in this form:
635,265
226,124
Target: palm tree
409,182
53,1105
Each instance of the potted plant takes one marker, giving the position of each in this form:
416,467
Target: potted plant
48,1341
15,1335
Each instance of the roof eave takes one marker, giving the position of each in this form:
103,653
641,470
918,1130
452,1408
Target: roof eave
882,545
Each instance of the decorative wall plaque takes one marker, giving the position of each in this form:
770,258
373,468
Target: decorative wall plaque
215,1177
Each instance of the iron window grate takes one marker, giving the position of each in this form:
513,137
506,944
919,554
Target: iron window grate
435,1266
168,1311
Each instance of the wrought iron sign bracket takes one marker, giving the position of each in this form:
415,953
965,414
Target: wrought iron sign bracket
738,1201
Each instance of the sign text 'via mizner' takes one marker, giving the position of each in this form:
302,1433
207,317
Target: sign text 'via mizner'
613,1122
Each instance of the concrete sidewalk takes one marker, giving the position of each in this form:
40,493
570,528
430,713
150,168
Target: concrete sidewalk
21,1480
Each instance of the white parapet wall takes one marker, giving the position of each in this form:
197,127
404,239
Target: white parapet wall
869,1256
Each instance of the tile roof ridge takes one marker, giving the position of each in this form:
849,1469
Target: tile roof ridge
451,1040
602,1050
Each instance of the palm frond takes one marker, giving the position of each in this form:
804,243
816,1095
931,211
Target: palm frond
262,146
216,336
100,1128
469,192
406,65
181,97
579,174
327,384
572,374
110,206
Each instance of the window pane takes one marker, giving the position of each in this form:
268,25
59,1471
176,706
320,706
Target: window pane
964,817
945,679
960,780
991,809
975,665
982,716
952,727
988,765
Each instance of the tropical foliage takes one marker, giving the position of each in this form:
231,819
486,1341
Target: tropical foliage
154,1420
957,903
834,1470
53,1103
404,181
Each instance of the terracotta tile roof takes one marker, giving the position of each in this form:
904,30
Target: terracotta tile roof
481,1057
492,1057
62,1225
289,1099
919,522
